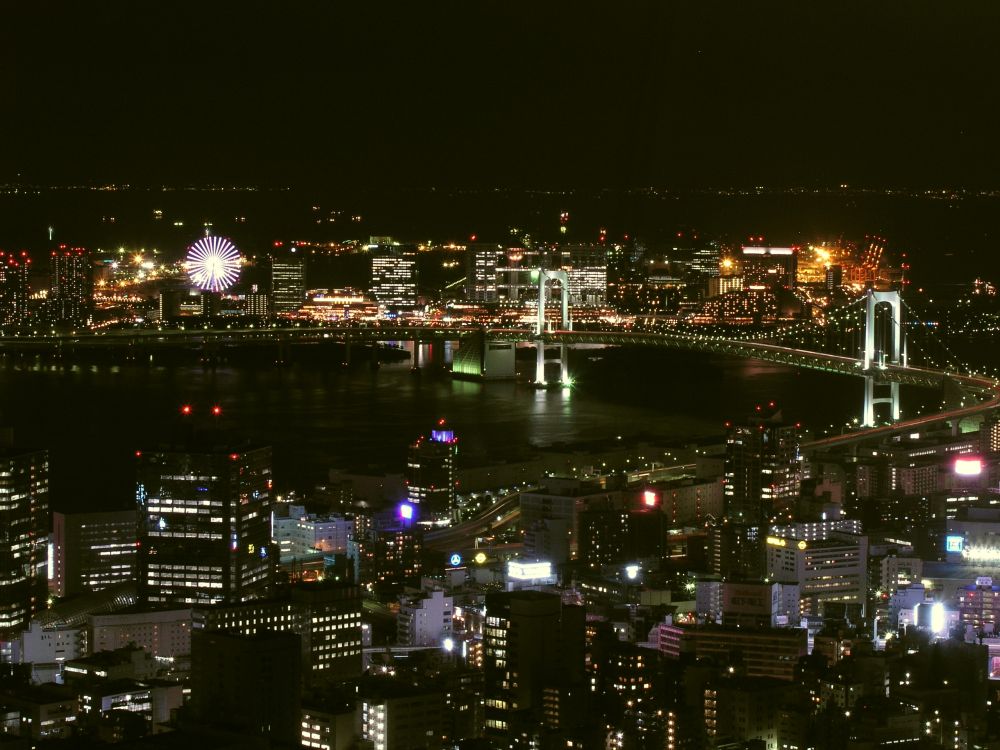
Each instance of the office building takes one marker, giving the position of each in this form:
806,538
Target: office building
483,262
758,652
169,304
257,304
424,621
325,615
14,289
24,517
532,644
204,525
514,282
394,278
832,573
288,281
386,556
769,267
587,271
705,260
164,633
834,277
301,534
762,469
400,716
719,285
249,684
71,287
762,482
92,550
430,471
325,727
979,605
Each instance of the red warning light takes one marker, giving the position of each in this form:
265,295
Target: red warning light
138,454
234,456
186,409
472,237
216,410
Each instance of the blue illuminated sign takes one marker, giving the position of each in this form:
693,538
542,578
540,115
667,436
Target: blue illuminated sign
443,436
455,559
954,543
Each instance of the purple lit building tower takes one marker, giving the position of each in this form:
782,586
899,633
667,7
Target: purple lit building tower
430,471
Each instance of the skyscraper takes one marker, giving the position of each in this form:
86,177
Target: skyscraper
14,269
762,469
204,525
288,282
430,471
24,519
533,649
394,277
482,264
71,287
762,482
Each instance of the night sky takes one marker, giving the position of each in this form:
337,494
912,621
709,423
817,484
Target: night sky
537,93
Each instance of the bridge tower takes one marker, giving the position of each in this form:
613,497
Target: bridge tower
877,358
545,278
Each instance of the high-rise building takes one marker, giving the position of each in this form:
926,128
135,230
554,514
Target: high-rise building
430,471
587,269
762,482
91,551
71,289
705,259
831,571
288,282
533,656
204,525
482,264
257,303
394,277
769,267
763,473
169,304
24,517
250,684
425,621
14,290
325,615
400,716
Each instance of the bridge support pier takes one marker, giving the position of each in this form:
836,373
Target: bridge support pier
880,393
415,367
542,360
545,277
875,356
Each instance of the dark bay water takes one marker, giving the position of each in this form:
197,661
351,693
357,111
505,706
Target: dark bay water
93,418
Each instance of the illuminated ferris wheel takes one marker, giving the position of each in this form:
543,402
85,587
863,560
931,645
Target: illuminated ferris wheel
213,264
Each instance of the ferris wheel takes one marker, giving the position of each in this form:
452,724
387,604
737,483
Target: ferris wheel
213,263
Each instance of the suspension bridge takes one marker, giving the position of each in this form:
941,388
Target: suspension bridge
866,338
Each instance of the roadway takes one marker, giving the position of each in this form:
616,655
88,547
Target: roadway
503,513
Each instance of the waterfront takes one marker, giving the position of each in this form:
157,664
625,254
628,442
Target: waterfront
94,417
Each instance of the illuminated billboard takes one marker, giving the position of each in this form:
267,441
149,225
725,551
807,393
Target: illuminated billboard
528,571
968,466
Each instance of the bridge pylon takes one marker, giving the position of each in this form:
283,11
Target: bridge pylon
545,277
877,358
